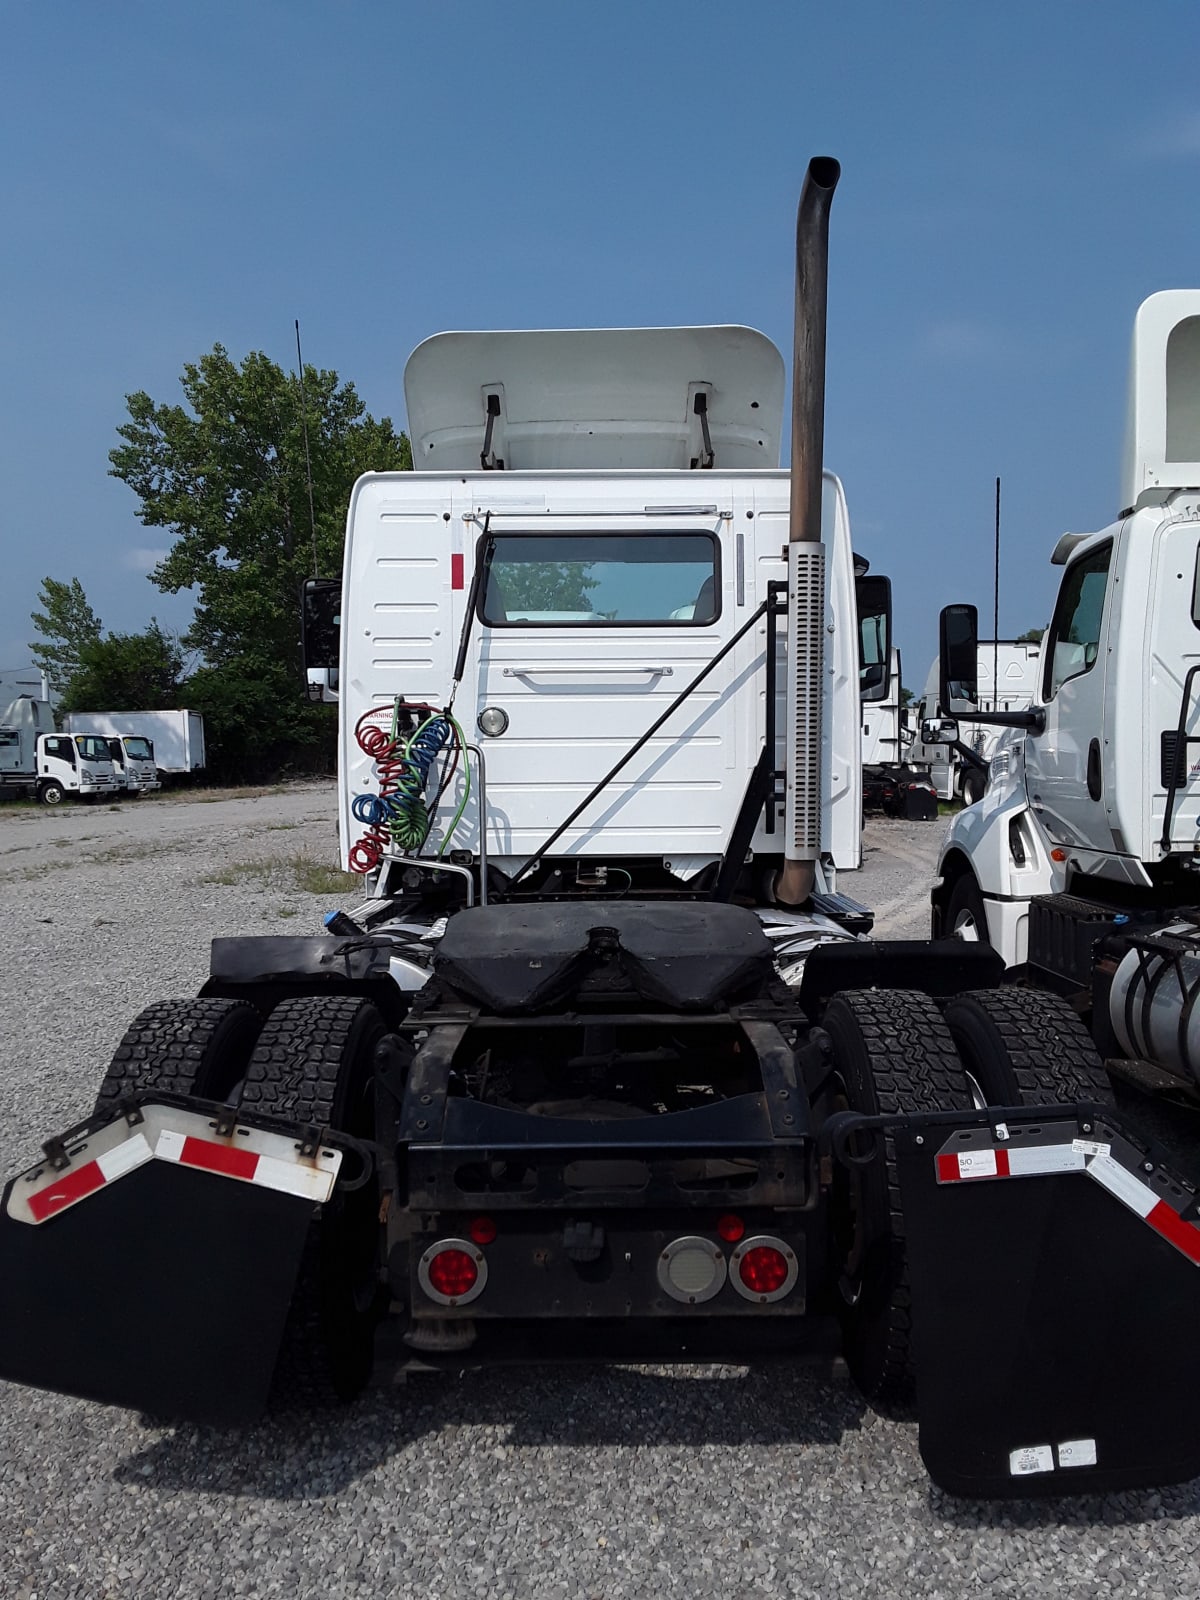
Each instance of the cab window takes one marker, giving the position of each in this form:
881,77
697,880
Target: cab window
1073,643
591,580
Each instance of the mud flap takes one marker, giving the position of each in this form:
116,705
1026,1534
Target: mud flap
1055,1275
155,1268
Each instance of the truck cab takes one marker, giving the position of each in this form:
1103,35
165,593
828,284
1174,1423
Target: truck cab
133,762
33,758
597,516
1096,798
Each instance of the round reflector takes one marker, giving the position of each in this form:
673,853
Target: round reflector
764,1268
482,1230
691,1270
731,1228
452,1272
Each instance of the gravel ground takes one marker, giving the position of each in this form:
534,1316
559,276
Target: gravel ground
579,1483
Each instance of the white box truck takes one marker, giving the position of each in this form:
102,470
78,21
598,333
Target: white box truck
176,737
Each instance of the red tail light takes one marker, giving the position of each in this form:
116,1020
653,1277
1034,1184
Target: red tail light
764,1269
452,1271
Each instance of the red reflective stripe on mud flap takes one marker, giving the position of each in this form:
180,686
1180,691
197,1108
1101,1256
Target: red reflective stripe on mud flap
1183,1235
456,572
218,1158
70,1187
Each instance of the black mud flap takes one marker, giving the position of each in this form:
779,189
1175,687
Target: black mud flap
165,1287
1055,1273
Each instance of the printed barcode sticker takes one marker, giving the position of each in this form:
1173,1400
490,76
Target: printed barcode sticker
1032,1458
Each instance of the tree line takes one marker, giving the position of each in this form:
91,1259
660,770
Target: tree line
227,474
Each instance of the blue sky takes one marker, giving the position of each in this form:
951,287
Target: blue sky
1016,178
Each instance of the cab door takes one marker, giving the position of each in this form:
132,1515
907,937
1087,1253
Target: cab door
1064,763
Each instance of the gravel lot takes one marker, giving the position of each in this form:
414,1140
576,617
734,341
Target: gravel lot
576,1483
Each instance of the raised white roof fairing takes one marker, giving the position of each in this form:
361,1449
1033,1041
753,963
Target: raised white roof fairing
595,398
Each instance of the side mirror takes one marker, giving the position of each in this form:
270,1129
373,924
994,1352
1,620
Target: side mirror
939,730
321,624
958,660
873,597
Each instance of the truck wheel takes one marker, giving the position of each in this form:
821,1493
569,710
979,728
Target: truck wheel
1024,1047
893,1053
965,916
51,792
973,786
198,1047
313,1065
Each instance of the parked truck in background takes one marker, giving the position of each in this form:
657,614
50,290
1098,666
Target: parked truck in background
1081,866
602,1066
960,772
177,737
133,761
36,760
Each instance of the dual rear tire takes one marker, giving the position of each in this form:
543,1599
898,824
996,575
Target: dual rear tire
896,1053
310,1062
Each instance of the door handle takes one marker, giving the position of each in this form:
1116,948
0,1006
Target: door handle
585,667
1094,781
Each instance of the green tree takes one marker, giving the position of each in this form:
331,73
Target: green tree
545,585
127,672
67,625
1030,636
226,473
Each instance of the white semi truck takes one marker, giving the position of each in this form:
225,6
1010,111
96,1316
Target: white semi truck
1080,865
892,782
602,1064
176,738
962,773
36,760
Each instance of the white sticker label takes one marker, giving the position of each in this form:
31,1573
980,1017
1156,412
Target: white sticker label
977,1163
1033,1458
1077,1453
1089,1147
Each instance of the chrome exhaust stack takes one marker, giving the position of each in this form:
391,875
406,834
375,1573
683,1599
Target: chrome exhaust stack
806,554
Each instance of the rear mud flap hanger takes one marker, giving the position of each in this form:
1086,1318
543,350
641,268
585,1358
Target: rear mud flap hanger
1054,1264
150,1260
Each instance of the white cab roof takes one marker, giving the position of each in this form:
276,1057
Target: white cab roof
595,398
1162,433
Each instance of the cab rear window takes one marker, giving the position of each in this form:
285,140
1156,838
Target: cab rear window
568,580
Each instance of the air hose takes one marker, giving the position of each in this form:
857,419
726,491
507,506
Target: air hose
398,816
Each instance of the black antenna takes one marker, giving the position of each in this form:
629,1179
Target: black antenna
996,612
312,516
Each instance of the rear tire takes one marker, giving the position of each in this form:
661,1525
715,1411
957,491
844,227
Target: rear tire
197,1047
894,1054
314,1065
1024,1047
